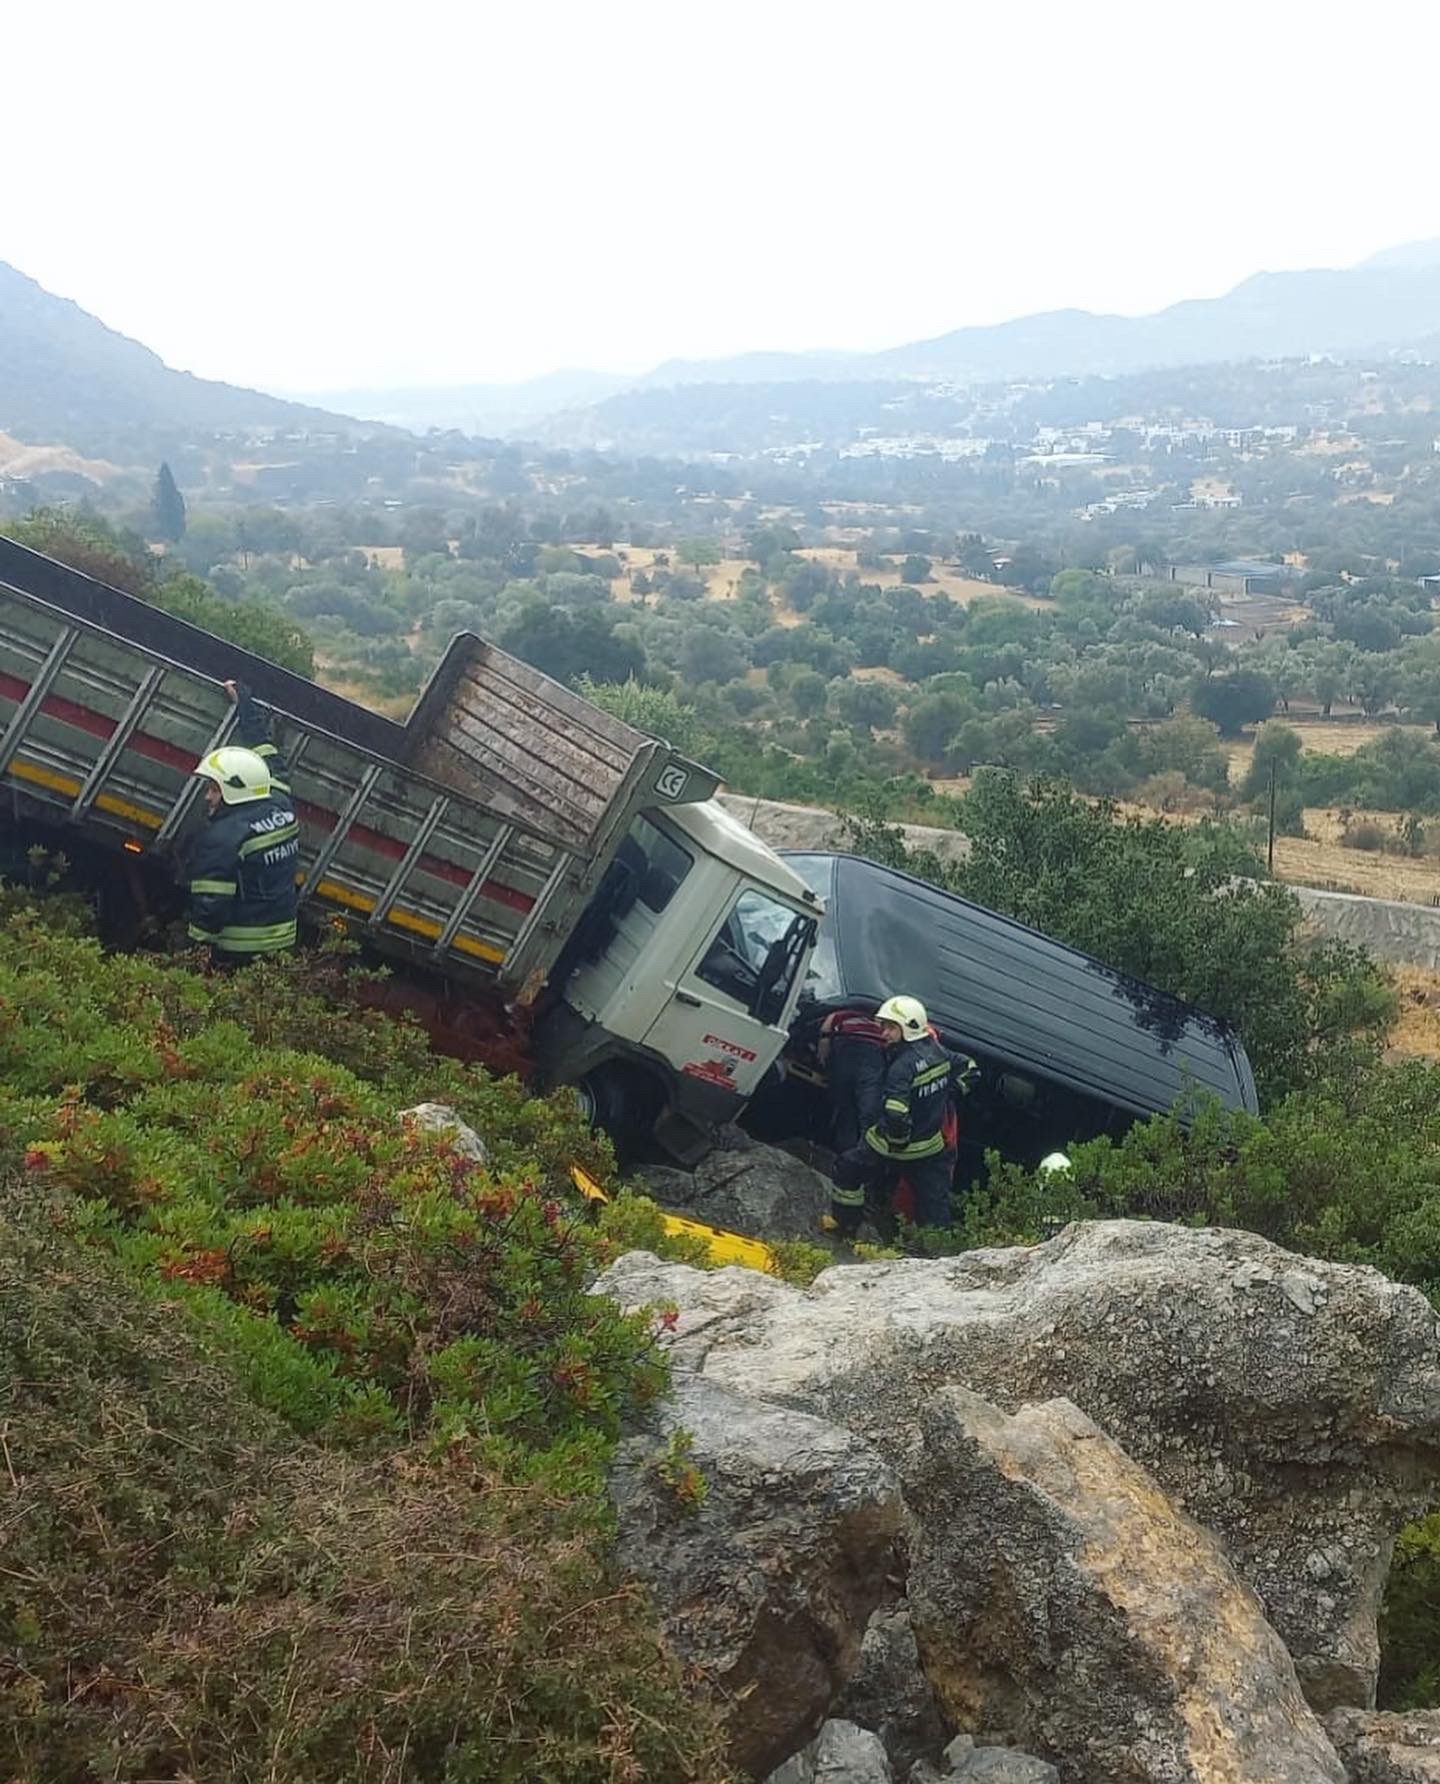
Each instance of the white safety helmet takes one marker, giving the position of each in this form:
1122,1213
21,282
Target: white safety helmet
240,774
1054,1163
907,1013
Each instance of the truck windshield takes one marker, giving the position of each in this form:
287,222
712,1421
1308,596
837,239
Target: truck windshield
822,975
757,953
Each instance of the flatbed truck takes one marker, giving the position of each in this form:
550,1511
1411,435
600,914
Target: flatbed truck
510,839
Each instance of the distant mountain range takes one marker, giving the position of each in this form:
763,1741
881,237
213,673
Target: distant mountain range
66,378
1387,302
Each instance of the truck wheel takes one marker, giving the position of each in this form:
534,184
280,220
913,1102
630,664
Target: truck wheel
625,1103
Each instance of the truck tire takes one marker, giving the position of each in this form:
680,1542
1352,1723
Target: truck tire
621,1100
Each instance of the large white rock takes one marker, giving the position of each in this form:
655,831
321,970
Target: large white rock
766,1587
1290,1405
1057,1593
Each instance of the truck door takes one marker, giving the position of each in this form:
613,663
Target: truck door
607,972
723,1022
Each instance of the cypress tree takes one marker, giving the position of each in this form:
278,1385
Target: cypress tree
168,506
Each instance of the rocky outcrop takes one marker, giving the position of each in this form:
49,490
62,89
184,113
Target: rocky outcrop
891,1694
841,1753
764,1586
747,1187
1388,928
441,1119
845,1752
804,827
967,1763
1057,1593
1290,1406
1380,1748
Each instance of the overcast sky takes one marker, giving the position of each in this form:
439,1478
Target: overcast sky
315,194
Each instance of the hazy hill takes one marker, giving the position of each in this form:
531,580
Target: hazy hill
1390,300
1425,253
65,377
1271,315
476,408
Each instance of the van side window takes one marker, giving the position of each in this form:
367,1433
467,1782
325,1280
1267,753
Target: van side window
666,865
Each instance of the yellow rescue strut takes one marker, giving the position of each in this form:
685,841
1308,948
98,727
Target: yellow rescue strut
725,1247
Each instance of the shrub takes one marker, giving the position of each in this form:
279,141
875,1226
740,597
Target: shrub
1363,834
1409,1649
200,1143
190,1590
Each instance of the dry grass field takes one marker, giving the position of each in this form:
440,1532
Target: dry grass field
1319,860
723,579
1416,1034
963,589
19,460
1337,736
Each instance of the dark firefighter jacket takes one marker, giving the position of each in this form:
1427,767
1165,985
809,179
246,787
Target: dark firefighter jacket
242,870
920,1077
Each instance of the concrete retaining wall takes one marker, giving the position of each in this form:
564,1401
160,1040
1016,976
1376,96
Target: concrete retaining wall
1408,934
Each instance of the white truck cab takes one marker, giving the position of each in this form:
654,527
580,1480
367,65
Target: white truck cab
682,979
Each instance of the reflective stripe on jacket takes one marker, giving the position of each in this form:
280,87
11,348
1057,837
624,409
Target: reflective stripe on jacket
912,1113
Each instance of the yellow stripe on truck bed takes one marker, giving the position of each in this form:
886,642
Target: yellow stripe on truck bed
69,786
361,901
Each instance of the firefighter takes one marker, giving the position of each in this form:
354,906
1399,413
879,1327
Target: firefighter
852,1054
242,870
912,1137
964,1075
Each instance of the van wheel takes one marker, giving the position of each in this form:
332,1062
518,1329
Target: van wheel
625,1103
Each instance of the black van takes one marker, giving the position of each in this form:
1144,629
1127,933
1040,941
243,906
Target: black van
1068,1048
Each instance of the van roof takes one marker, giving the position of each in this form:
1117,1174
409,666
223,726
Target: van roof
1020,997
712,828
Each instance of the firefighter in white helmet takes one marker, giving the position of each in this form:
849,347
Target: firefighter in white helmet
242,870
910,1138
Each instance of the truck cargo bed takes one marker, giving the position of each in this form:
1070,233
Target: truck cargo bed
468,839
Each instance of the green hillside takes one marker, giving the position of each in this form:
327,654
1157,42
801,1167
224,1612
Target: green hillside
303,1416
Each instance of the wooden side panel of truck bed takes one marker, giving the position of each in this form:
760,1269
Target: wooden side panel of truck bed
540,754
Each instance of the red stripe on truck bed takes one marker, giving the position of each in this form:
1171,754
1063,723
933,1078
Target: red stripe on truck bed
96,724
55,706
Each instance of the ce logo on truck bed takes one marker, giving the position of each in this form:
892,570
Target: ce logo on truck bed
671,783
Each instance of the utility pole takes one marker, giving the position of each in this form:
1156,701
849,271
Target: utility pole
1270,847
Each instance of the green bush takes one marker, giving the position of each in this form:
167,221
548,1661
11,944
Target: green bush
307,1412
202,1145
190,1590
1410,1624
1347,1170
